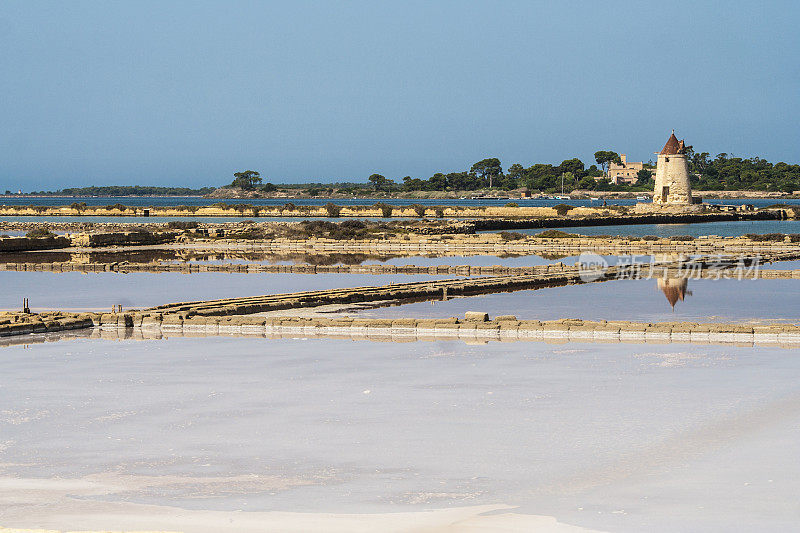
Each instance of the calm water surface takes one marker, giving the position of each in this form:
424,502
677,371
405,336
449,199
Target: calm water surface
721,229
636,300
146,201
77,291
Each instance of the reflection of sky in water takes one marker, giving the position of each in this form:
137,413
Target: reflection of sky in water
419,260
577,431
639,300
782,265
73,290
722,229
22,233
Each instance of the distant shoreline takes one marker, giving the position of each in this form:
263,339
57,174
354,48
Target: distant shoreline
100,196
432,195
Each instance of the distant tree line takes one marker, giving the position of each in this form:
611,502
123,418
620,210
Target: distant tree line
127,190
487,173
729,173
721,173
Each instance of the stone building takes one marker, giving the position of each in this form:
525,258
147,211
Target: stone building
672,175
625,172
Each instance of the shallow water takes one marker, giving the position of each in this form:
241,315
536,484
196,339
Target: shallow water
705,300
782,265
22,233
722,229
614,437
248,257
101,290
162,220
421,260
146,201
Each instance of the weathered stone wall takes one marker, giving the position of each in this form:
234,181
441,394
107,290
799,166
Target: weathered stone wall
501,329
23,244
672,172
493,244
254,212
123,238
25,323
188,268
257,268
301,211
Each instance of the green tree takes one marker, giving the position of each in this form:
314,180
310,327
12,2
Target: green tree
488,170
247,180
568,181
643,176
413,184
604,157
575,166
379,182
587,182
516,172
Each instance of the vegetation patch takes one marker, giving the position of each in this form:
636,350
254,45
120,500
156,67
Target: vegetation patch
419,210
511,236
183,224
386,209
556,234
332,209
563,209
40,233
766,237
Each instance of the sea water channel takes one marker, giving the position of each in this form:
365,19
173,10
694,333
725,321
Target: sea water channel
164,201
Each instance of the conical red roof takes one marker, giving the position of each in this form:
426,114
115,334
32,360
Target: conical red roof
672,145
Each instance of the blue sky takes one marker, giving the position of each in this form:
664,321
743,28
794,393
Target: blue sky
186,93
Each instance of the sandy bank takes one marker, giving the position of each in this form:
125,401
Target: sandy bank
68,505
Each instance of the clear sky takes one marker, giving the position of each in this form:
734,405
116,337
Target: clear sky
186,93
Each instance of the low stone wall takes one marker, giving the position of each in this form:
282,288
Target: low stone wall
255,268
416,291
122,238
493,244
249,211
24,323
467,245
500,329
526,216
508,328
86,240
378,270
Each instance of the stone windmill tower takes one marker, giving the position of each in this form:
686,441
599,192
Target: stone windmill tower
672,175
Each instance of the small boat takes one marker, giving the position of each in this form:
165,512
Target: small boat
563,198
593,198
645,198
